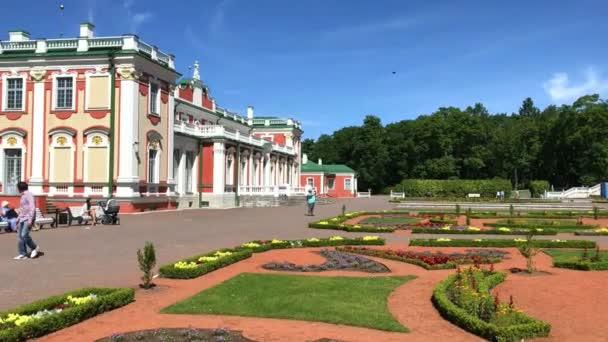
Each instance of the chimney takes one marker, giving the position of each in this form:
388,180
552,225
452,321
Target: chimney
249,112
320,161
87,30
18,36
304,158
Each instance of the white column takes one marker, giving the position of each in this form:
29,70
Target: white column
38,135
321,186
219,167
250,168
181,171
170,138
128,175
352,185
266,176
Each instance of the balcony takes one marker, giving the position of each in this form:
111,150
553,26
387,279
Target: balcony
218,131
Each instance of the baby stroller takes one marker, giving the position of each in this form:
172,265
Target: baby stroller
110,211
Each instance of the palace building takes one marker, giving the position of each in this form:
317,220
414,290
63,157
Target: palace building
110,116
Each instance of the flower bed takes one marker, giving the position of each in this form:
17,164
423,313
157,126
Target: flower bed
444,242
584,260
336,260
429,260
493,231
595,232
337,222
202,264
465,300
58,312
554,224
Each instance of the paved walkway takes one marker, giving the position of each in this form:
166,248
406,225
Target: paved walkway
106,255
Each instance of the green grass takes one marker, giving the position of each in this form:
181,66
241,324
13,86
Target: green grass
357,301
393,220
573,255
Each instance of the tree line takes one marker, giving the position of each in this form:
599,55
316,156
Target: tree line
566,145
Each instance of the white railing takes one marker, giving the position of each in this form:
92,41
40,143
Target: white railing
144,47
271,190
58,44
397,194
576,192
364,193
218,131
18,46
105,42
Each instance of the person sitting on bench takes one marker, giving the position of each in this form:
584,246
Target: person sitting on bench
8,215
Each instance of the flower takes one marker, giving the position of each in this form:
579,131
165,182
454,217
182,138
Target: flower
275,241
185,265
504,229
251,245
446,228
335,219
602,230
336,238
356,226
477,240
323,222
520,240
475,229
443,240
220,254
208,258
539,229
81,300
557,240
313,240
370,238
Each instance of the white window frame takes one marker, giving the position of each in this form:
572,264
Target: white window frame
350,180
310,181
88,76
54,91
19,145
157,113
5,79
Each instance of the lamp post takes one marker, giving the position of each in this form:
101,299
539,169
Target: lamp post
112,71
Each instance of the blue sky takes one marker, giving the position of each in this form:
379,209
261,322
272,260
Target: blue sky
328,63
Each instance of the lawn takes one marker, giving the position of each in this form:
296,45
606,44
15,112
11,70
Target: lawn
573,255
357,301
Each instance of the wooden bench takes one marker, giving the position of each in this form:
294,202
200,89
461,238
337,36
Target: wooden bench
473,195
41,220
76,214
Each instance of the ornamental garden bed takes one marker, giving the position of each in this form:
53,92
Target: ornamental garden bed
335,260
594,232
55,313
500,243
430,260
465,300
356,301
380,226
178,335
475,230
202,264
579,259
560,225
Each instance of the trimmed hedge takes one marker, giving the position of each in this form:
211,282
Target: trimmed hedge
542,225
504,243
170,271
108,299
453,187
481,232
477,326
241,252
591,233
337,222
582,265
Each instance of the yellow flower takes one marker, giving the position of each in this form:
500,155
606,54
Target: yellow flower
356,226
185,265
602,230
336,238
477,240
504,229
222,254
275,241
251,245
443,240
475,229
370,238
313,240
335,219
557,240
208,258
446,228
323,222
81,300
520,240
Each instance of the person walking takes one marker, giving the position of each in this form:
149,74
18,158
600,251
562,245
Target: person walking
311,203
25,220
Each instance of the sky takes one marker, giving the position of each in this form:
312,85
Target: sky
328,63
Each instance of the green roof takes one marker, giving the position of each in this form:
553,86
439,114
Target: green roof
329,168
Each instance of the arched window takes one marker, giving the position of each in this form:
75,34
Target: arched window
61,166
96,159
12,158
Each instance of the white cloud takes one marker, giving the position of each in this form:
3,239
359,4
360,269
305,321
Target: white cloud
561,89
218,16
139,18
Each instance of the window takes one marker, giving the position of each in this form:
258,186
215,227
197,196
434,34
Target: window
12,170
14,94
152,170
331,182
65,91
189,171
347,184
310,181
154,98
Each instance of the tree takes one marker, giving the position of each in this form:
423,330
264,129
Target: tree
147,261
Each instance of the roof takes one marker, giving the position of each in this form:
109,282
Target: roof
310,166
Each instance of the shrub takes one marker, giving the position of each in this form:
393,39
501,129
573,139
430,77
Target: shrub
582,265
147,261
540,224
455,187
472,313
538,187
504,243
172,271
493,231
107,299
529,250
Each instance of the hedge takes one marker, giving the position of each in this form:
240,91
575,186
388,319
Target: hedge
477,326
591,233
500,243
453,187
243,252
337,222
108,299
527,225
582,265
417,230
